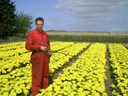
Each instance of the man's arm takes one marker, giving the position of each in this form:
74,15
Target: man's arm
29,43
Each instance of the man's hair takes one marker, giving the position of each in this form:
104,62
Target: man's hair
39,19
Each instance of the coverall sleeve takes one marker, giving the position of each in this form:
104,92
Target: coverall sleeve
29,45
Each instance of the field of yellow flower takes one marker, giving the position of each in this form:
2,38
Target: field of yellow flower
76,69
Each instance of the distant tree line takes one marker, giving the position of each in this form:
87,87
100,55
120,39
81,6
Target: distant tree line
12,23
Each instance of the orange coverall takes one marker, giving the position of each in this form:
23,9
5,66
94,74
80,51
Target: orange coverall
39,60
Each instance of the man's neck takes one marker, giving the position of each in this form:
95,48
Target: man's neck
40,30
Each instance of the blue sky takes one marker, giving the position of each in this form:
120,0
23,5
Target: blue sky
78,15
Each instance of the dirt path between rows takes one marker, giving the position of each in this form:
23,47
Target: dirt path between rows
108,81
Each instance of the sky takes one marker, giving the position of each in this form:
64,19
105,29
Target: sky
78,15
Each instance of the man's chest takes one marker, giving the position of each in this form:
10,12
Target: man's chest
40,38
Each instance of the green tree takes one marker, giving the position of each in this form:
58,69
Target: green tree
7,18
23,23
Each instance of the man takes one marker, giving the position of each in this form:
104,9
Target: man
38,42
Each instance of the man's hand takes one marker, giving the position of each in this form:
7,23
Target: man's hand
49,53
43,48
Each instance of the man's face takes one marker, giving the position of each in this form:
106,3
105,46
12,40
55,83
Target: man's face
39,25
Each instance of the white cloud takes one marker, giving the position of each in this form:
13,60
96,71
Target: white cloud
90,9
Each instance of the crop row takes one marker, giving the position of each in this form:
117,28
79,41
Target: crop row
119,64
9,50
